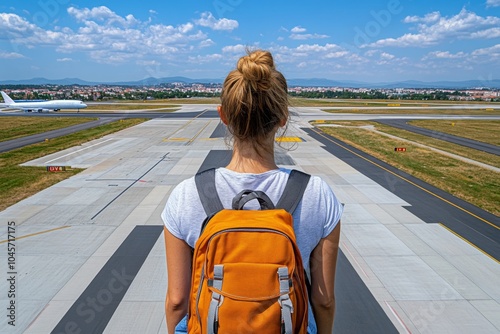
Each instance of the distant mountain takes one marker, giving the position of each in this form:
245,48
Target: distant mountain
315,82
44,81
445,84
74,81
158,81
401,84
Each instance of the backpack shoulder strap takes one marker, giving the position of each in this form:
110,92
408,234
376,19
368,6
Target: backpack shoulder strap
294,189
205,184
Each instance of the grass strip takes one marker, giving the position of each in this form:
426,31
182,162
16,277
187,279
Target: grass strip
391,104
12,127
486,131
466,152
19,182
471,183
420,111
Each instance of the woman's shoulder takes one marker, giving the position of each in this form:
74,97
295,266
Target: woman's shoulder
184,189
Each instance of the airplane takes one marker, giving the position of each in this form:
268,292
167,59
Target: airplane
43,106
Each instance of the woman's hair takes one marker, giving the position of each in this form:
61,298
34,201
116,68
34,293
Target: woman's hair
255,98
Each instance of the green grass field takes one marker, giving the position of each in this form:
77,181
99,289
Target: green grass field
12,127
487,131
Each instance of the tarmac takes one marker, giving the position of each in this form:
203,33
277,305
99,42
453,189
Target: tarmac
89,253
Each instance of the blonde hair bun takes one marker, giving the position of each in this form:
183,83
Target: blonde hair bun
257,68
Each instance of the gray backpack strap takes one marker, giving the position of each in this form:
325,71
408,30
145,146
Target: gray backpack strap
294,189
205,184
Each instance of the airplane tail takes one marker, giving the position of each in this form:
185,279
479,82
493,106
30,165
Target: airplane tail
6,99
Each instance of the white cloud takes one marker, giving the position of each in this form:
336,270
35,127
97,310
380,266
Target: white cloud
205,59
317,48
298,30
206,43
239,48
14,26
102,14
491,52
492,3
208,20
307,36
444,55
298,34
388,56
62,60
428,18
147,62
380,55
10,55
443,61
338,54
108,37
371,53
433,29
486,34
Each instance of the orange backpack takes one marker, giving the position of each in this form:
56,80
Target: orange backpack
247,274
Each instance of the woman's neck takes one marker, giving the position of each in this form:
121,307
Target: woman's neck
246,159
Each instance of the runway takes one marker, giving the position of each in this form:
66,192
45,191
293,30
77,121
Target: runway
90,253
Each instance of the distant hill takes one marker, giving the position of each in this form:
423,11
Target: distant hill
44,81
495,84
315,82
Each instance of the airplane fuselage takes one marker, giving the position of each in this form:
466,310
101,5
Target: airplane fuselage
42,106
50,105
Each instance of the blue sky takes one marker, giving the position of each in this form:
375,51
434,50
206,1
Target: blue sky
356,40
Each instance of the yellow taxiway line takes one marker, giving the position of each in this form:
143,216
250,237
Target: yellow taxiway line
34,234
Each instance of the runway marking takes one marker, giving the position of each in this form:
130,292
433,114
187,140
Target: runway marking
410,182
199,132
37,233
397,317
354,258
470,243
130,186
96,305
288,139
79,150
174,139
185,125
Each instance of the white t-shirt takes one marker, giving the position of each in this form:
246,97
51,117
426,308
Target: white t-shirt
315,217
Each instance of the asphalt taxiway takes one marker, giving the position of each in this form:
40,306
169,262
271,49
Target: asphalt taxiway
90,253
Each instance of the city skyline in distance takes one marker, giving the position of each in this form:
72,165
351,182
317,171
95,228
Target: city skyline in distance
367,41
293,82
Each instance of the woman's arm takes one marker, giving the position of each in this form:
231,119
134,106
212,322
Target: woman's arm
323,263
179,279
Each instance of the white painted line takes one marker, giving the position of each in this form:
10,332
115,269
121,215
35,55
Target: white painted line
397,317
62,156
352,256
